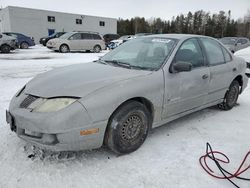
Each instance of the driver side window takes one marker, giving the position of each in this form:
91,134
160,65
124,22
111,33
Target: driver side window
190,51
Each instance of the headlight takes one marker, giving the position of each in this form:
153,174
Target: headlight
53,105
51,43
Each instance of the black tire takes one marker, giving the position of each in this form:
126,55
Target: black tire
97,48
5,48
64,48
24,45
128,128
231,96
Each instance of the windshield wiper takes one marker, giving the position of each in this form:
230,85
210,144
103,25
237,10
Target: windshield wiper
100,61
119,63
126,65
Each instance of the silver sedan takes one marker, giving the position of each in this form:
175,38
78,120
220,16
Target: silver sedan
116,100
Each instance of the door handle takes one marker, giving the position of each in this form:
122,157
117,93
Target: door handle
205,76
234,69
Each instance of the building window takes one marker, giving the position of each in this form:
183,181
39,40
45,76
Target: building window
102,23
78,21
51,19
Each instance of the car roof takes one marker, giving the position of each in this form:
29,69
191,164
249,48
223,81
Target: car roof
91,32
235,38
14,33
176,36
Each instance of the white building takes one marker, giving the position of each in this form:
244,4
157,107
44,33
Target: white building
39,23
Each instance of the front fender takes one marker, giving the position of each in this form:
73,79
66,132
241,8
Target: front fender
103,102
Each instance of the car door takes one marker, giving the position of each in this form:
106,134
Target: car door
86,41
185,91
220,71
75,41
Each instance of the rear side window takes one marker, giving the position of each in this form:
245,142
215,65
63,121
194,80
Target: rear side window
226,55
190,51
213,50
96,37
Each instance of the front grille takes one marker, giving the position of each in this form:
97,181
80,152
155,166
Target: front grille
27,101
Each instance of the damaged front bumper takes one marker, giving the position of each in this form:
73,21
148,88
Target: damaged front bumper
67,130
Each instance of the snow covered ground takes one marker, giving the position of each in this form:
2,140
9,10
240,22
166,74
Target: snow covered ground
168,158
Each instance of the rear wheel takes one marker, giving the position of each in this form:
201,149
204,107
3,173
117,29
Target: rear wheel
24,45
5,48
231,96
64,48
97,49
128,128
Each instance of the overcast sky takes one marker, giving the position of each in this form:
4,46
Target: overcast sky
165,9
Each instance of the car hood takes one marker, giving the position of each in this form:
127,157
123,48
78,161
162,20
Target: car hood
79,80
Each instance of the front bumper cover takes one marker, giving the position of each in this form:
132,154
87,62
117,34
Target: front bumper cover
57,131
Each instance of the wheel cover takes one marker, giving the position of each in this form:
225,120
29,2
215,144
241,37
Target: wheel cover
232,95
97,49
5,48
25,45
64,48
131,128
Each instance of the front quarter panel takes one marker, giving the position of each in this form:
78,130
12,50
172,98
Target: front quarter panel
103,102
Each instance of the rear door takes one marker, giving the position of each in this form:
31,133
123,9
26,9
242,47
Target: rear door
220,70
185,91
86,43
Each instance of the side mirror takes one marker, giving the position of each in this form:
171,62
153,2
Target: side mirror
182,66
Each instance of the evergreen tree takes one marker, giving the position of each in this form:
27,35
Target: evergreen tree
199,22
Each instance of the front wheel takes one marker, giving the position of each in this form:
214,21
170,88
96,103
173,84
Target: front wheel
128,128
24,45
231,96
64,48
